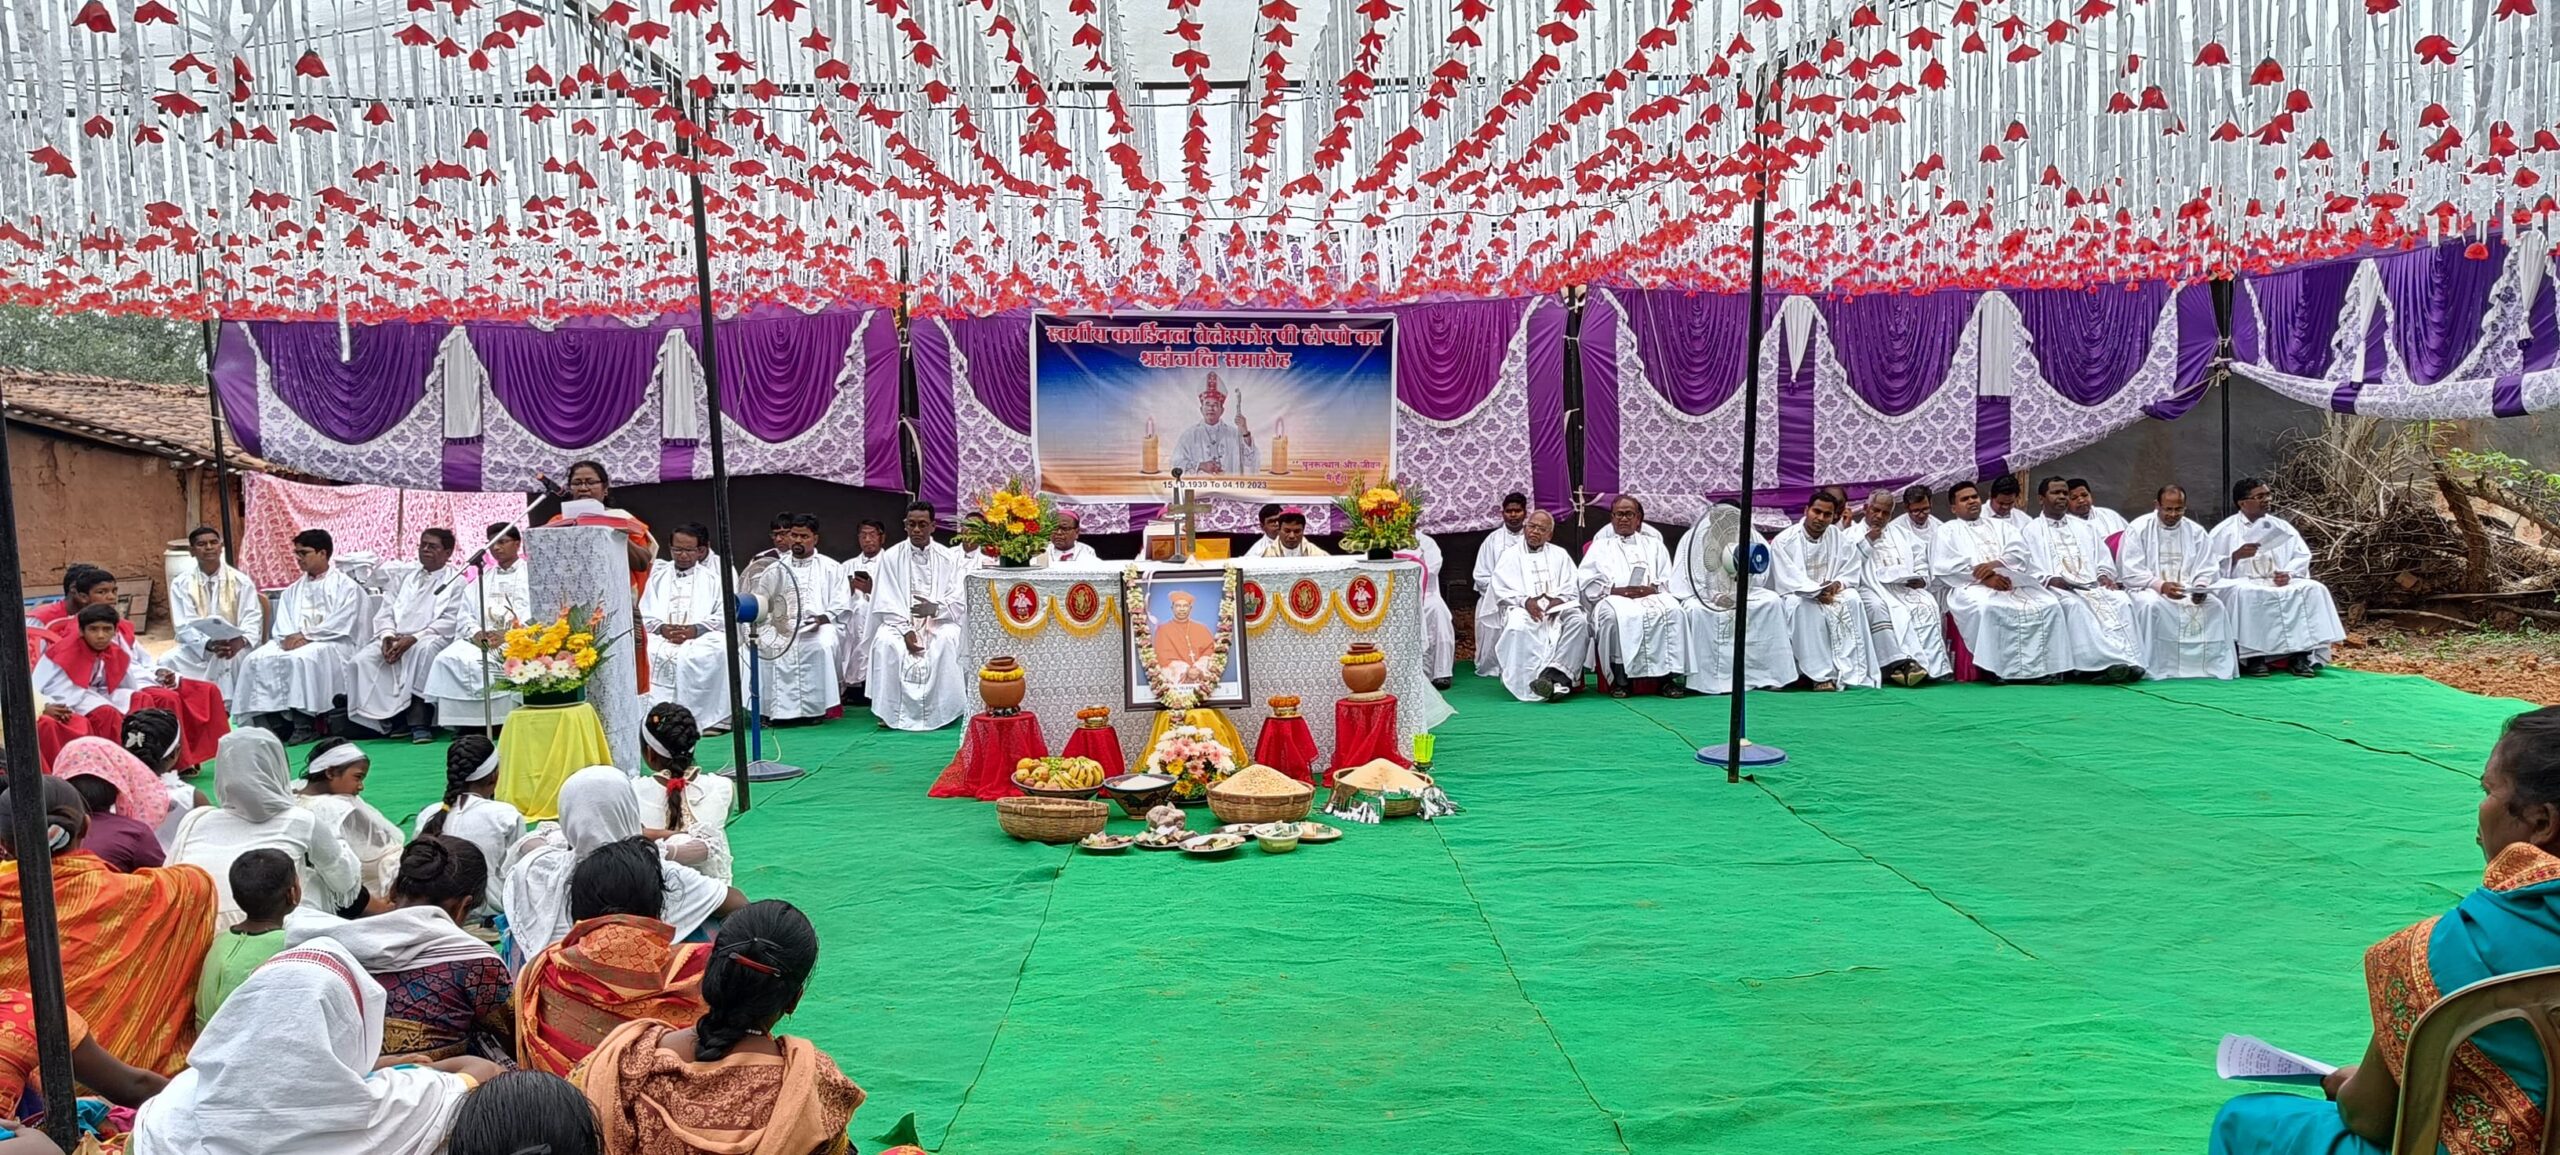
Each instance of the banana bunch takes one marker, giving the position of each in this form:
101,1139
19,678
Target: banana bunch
1055,773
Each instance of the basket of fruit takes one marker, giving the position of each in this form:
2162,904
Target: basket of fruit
1055,777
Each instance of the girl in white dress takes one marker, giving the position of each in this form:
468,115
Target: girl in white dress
333,791
471,812
684,809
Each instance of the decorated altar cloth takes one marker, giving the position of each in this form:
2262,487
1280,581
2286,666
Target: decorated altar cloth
1071,642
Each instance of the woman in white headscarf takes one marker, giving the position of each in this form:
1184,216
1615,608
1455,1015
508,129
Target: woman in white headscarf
332,789
257,811
286,1067
596,808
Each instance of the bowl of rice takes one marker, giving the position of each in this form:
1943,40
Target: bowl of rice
1259,794
1135,794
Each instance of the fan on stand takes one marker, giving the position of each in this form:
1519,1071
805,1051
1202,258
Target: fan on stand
769,609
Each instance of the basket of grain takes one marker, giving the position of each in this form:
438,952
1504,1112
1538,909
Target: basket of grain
1399,789
1036,819
1259,793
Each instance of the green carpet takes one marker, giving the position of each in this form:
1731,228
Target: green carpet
1986,920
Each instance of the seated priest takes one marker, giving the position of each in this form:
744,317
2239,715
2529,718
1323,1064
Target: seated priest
806,681
1515,511
916,644
681,611
1291,538
203,715
1270,521
461,682
2278,613
1545,634
422,612
1439,630
861,569
1702,581
90,680
2084,505
1639,626
1066,545
1814,564
303,668
2008,505
2169,569
2010,623
214,597
2068,556
1907,619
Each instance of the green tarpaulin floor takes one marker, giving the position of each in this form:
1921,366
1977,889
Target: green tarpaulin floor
1960,919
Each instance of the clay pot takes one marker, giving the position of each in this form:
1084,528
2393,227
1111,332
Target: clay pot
1001,697
1364,678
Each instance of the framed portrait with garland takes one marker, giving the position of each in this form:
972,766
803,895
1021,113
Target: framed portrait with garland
1180,638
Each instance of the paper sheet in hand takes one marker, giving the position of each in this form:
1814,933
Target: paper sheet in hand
213,629
2257,1061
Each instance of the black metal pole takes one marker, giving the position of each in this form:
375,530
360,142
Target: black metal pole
1750,441
212,329
2225,298
35,862
719,469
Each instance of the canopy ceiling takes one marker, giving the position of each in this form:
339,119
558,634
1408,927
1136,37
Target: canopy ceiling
374,159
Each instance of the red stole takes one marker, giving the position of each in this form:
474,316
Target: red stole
78,660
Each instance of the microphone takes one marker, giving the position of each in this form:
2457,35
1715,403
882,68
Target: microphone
550,488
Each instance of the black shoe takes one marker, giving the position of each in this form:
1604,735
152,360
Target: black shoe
2304,667
1440,683
2254,668
1544,687
301,734
2118,674
421,735
1672,688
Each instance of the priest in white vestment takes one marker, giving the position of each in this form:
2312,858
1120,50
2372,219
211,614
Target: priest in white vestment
213,596
1066,548
2012,625
2169,567
462,683
806,680
2007,505
916,644
1515,512
1897,589
1545,633
421,613
1639,626
1702,581
853,656
688,648
2277,609
1213,446
1439,630
1291,541
2084,504
2069,558
304,667
1814,564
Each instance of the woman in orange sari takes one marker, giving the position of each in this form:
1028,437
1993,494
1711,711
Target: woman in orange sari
21,1096
618,964
589,482
131,943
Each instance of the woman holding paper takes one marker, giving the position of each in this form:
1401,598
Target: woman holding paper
2511,923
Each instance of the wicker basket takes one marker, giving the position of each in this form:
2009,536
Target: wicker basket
1034,819
1405,807
1248,808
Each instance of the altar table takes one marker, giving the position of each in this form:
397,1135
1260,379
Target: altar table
1078,659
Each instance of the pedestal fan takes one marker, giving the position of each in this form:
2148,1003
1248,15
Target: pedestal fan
769,609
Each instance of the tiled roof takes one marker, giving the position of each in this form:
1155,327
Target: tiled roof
171,421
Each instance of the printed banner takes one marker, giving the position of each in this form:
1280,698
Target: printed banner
1291,406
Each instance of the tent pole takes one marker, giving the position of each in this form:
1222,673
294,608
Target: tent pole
2225,299
1734,740
221,459
719,470
27,833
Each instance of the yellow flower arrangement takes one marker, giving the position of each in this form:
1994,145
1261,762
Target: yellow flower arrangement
1011,520
1364,658
990,674
1381,516
553,657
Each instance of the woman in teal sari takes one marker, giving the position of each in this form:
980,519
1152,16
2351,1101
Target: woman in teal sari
2512,923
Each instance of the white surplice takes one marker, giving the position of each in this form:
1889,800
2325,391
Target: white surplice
1206,448
1439,630
1644,637
58,687
1831,640
227,595
1488,615
459,683
2181,637
1701,580
2267,619
853,658
1562,640
917,691
1304,548
1895,560
426,604
1078,556
2014,633
2107,522
693,674
325,610
807,680
2098,621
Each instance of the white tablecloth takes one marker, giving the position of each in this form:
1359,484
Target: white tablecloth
1068,673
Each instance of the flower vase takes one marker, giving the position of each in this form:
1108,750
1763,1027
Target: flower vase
1001,685
539,698
1364,670
1003,562
1381,553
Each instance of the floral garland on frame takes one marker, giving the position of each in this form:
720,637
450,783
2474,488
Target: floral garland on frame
1142,630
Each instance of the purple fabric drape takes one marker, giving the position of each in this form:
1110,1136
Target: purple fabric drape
1990,436
1691,344
2298,315
2438,299
937,432
2541,331
1895,348
778,372
2199,342
1795,419
1548,464
1598,342
1449,356
881,405
462,465
235,377
358,399
2088,344
573,386
999,353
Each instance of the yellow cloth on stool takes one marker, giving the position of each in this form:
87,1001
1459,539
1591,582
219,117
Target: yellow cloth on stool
540,748
1213,719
